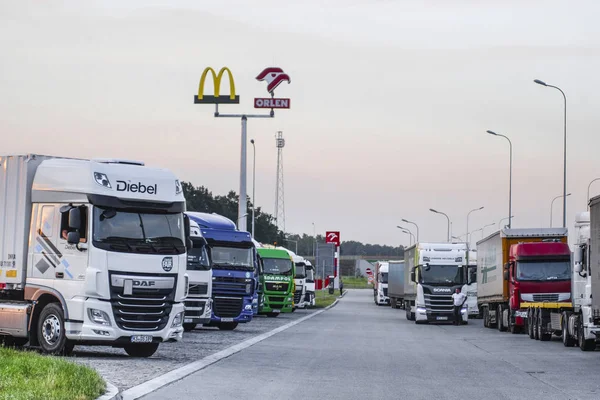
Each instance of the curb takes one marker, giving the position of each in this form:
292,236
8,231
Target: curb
175,375
112,393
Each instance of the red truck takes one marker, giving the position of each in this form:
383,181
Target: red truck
524,275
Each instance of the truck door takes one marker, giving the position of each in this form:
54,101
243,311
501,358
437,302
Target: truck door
72,257
43,251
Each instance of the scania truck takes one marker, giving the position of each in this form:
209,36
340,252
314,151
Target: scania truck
198,305
91,252
432,273
277,281
234,261
523,276
380,289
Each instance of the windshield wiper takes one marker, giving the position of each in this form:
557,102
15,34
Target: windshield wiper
117,239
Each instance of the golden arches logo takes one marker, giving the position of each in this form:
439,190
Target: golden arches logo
216,98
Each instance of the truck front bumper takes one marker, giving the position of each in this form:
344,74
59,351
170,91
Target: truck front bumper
197,310
273,303
93,332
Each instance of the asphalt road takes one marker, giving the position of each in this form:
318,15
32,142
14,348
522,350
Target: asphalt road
358,350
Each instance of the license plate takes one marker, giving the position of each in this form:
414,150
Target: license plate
276,311
188,320
141,339
226,319
441,318
522,314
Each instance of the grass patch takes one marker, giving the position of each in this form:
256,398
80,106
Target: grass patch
351,282
26,375
324,299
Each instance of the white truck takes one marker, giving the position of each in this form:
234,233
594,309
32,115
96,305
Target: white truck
310,284
470,289
299,280
433,271
198,305
91,252
380,289
396,283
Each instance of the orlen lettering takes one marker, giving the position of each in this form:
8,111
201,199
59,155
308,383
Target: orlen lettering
139,187
144,283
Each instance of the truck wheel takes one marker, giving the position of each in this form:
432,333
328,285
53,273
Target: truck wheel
514,329
407,309
566,338
51,330
141,350
499,319
536,323
272,314
227,326
486,320
530,324
188,327
584,345
543,335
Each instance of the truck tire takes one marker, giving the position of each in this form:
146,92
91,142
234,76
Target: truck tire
536,323
51,330
567,340
530,324
584,345
188,327
486,320
407,309
500,319
393,302
543,335
227,326
141,350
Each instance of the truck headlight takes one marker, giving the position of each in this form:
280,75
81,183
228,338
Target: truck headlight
248,288
99,317
464,310
177,321
422,310
289,299
248,307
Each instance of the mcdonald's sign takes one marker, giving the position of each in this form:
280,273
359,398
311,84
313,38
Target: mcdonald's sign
216,98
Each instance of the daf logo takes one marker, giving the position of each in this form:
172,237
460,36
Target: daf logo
247,274
144,283
167,263
444,290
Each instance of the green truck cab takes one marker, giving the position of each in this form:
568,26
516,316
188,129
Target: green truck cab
276,281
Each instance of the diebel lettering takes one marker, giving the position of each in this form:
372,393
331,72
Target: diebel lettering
144,283
139,187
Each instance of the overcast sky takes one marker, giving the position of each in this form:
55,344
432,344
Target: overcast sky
390,102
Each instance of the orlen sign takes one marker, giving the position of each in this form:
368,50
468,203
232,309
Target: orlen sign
271,103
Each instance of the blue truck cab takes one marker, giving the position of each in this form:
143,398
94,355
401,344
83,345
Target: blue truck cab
234,261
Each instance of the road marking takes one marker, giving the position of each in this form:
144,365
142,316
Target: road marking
150,386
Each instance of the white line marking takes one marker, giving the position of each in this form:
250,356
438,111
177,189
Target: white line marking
150,386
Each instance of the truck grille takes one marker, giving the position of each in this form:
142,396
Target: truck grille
227,286
198,289
276,299
228,307
143,310
385,291
297,296
194,308
439,303
276,287
546,297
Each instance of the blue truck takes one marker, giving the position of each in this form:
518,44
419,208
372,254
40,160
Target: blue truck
234,261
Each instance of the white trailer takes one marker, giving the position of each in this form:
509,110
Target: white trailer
91,252
396,283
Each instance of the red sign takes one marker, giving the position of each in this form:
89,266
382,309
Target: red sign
333,237
369,271
273,76
271,103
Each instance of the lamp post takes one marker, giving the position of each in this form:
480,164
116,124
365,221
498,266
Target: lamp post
448,218
588,192
469,213
405,230
412,223
485,226
253,183
564,151
500,222
293,241
509,178
315,239
552,207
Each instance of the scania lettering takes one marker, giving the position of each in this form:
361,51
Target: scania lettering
198,305
90,264
432,273
234,261
277,281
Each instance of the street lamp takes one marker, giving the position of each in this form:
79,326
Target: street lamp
564,151
448,218
588,192
315,239
509,179
485,226
412,223
500,222
469,213
293,241
552,206
253,183
405,230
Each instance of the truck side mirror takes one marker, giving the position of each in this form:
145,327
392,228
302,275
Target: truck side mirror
506,275
75,219
413,275
578,255
73,237
578,268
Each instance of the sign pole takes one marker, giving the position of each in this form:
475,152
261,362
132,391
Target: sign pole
243,203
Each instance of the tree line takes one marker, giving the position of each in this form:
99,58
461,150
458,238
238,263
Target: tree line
200,199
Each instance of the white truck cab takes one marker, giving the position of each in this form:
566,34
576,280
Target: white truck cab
310,284
381,284
91,252
470,288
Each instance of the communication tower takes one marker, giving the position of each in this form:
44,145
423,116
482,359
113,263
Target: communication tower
279,198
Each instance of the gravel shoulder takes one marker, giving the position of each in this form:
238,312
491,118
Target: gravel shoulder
125,372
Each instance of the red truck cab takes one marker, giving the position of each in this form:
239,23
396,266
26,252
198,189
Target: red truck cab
537,272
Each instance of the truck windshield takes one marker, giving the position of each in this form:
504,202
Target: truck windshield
197,257
232,258
310,275
441,274
300,271
277,266
384,277
543,270
138,232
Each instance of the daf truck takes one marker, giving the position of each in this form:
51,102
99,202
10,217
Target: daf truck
470,289
310,296
523,277
299,280
396,283
198,305
234,261
91,252
380,289
277,281
432,273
